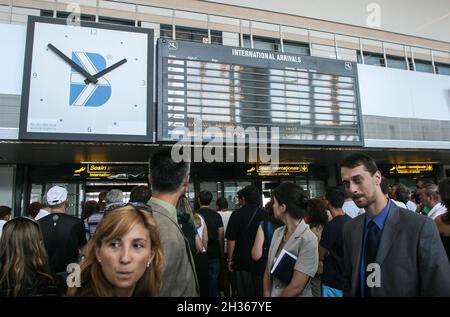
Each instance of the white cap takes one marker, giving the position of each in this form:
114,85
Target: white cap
56,195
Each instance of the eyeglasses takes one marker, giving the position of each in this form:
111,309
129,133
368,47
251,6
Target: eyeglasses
135,205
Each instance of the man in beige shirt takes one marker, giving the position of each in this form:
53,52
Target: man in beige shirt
169,181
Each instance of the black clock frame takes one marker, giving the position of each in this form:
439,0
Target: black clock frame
47,136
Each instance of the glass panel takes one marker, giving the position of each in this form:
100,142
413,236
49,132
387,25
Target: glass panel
75,206
317,188
230,193
92,196
267,188
190,34
190,194
422,66
395,62
214,188
302,183
372,59
36,193
302,49
443,69
260,44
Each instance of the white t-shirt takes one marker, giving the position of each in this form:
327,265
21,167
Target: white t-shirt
411,205
437,210
42,213
201,228
399,203
225,217
2,223
351,209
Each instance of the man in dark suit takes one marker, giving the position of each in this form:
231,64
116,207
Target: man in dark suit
388,251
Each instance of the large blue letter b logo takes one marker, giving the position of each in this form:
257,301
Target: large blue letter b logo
88,95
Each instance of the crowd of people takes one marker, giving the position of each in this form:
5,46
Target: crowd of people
364,238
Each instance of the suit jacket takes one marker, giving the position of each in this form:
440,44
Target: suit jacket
303,244
179,278
411,256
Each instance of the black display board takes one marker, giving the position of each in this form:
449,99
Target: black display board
311,100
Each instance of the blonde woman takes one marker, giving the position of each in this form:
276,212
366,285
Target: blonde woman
124,258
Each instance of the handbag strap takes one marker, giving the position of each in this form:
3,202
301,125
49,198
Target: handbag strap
251,219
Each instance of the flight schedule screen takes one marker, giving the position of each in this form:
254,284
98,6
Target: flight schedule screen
309,100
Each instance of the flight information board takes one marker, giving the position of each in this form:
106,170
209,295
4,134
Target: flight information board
310,100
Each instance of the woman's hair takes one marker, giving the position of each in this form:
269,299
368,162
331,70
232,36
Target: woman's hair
317,213
90,207
184,206
33,209
114,225
294,197
23,258
269,208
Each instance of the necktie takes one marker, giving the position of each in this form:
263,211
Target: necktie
370,254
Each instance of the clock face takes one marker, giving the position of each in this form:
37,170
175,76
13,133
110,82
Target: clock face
88,82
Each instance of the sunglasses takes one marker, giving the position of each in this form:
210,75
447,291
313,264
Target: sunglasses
136,205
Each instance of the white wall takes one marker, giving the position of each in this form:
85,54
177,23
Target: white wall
413,101
403,94
12,52
428,19
6,185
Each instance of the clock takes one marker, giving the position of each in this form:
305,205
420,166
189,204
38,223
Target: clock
92,82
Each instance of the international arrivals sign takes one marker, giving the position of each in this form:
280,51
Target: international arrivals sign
110,171
278,170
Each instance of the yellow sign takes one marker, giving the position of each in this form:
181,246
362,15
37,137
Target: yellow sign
111,171
410,169
279,170
96,170
81,169
77,172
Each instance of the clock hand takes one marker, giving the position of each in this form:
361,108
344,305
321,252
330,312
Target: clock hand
106,70
77,67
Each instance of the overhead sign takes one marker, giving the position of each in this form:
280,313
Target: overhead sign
280,170
111,171
410,168
310,100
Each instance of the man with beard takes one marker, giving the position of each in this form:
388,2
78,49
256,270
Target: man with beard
388,251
